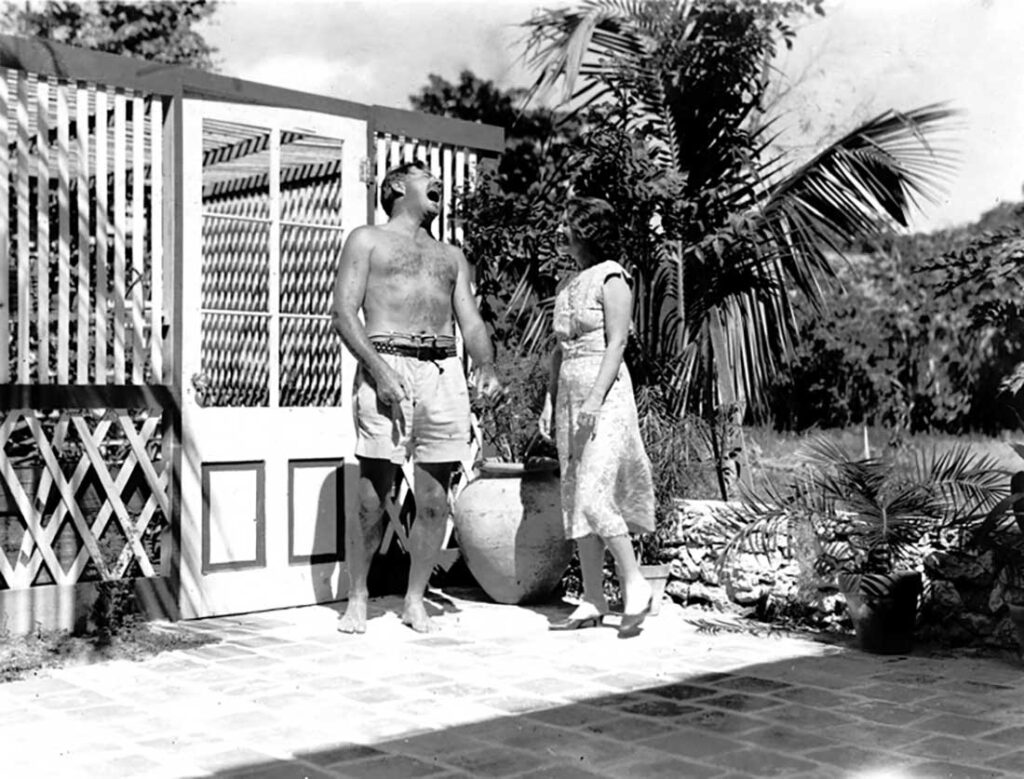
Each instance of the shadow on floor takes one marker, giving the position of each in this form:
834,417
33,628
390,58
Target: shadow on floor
845,714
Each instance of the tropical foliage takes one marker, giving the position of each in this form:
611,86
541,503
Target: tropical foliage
926,333
746,227
725,236
867,515
159,30
1000,532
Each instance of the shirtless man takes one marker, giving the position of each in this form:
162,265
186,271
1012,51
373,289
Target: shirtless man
410,398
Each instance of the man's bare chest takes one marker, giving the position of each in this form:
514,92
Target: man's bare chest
416,263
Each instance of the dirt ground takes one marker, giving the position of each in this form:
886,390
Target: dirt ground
23,656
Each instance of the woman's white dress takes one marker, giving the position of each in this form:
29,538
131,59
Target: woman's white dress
606,475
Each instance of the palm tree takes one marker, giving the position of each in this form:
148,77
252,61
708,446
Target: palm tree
751,226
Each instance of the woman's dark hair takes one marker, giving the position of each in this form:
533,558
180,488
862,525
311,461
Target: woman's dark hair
594,223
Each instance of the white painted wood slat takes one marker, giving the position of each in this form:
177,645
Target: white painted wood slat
274,274
43,174
446,195
64,236
101,166
5,231
119,219
24,278
138,260
82,328
156,233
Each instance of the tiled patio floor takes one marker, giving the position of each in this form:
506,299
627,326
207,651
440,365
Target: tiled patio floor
494,694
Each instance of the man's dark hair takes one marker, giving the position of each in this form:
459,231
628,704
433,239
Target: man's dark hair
388,195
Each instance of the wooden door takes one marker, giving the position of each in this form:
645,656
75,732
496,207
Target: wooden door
270,195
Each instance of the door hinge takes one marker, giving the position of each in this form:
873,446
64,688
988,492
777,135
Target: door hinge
366,171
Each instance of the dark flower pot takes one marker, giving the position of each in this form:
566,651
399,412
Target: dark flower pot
1017,618
883,608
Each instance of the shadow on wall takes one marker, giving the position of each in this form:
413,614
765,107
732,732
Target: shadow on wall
329,573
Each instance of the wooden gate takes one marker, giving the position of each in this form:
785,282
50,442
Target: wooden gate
171,395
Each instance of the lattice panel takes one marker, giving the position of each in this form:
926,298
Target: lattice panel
81,254
236,161
311,177
310,362
309,257
83,496
236,353
236,264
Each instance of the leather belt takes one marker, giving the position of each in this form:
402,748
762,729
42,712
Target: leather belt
429,350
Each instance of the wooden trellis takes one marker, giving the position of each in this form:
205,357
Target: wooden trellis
81,264
55,504
82,185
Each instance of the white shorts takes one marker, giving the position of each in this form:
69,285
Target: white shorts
430,426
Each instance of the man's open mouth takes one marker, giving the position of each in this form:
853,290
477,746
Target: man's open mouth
434,195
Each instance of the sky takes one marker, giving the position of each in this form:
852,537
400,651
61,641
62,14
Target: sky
863,57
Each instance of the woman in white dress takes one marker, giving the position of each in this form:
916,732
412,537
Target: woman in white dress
607,491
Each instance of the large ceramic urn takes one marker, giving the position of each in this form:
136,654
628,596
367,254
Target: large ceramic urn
508,522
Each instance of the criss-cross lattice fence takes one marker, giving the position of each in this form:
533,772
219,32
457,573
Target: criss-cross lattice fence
83,488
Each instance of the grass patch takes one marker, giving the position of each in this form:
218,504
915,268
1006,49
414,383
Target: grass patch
769,455
23,656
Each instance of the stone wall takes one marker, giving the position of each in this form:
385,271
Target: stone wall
694,546
964,601
961,606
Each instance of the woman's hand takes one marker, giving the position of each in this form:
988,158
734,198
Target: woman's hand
546,421
589,413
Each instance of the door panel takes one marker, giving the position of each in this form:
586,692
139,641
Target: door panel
268,466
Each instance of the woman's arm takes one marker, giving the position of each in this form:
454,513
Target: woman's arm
555,367
547,415
618,305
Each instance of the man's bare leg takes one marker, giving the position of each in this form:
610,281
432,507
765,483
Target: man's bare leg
425,539
363,536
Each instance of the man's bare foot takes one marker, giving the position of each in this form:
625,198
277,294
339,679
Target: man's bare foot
415,616
354,619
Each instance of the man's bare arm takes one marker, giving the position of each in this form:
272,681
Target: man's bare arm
474,332
349,291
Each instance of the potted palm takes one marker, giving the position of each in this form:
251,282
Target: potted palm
508,519
870,519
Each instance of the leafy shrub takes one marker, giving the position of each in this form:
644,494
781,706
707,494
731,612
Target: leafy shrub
508,421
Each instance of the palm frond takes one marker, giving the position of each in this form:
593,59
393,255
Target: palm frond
964,482
878,169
